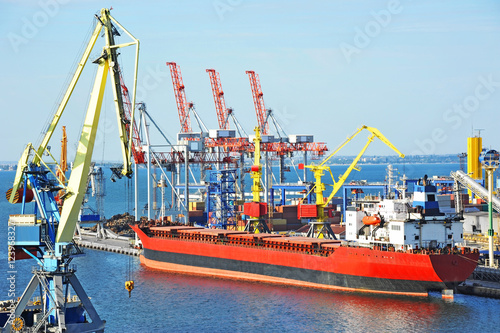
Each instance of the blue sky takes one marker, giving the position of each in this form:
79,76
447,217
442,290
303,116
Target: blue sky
425,73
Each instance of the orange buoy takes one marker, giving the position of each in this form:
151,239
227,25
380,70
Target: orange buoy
371,220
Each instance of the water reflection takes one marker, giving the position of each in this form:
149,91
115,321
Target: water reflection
252,305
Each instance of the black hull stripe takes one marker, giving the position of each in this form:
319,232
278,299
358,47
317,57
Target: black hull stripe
299,274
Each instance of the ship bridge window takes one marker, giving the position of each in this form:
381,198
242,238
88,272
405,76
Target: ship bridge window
396,227
450,236
417,237
431,197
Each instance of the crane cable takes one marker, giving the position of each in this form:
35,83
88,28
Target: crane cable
129,284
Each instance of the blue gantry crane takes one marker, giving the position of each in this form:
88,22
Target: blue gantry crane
221,195
44,230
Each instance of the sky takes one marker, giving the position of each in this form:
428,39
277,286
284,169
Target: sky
425,73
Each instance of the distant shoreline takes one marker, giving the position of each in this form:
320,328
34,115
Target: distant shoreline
12,166
344,160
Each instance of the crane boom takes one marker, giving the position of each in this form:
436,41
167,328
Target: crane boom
374,131
62,106
220,103
122,120
60,109
180,97
77,182
319,170
69,91
258,100
81,165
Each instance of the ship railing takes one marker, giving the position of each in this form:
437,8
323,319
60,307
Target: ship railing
485,273
274,246
424,246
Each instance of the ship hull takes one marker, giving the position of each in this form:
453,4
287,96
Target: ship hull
347,268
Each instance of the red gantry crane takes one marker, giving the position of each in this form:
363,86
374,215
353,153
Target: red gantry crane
185,108
283,147
231,144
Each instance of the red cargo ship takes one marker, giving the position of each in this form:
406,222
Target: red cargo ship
302,261
398,246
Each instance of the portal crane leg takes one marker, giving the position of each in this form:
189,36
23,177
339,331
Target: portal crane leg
55,304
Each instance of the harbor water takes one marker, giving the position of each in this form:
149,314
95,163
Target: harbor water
164,302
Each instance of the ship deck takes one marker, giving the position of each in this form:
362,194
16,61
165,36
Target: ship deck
320,246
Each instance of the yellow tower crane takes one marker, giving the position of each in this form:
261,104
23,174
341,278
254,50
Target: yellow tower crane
256,209
319,171
256,172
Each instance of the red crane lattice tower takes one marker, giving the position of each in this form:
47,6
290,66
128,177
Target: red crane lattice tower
180,97
258,100
220,103
280,148
223,113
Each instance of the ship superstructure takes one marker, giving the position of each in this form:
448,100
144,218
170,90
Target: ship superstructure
410,223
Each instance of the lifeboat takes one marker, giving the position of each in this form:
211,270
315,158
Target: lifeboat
371,220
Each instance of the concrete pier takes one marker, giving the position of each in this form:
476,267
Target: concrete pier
484,282
480,288
111,245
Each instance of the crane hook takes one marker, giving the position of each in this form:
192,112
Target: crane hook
129,286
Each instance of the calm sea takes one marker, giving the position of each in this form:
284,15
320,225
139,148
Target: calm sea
163,302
